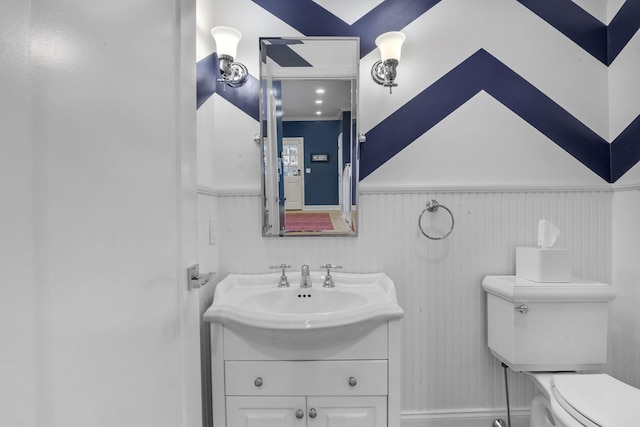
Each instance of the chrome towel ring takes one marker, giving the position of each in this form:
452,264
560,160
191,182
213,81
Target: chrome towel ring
432,206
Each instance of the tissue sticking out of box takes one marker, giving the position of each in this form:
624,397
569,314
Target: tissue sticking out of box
544,263
547,233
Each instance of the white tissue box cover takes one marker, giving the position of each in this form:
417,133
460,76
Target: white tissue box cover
543,264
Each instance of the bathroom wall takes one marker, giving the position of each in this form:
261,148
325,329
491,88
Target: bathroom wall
439,43
98,219
624,88
488,159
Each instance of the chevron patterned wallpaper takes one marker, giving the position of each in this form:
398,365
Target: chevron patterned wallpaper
516,63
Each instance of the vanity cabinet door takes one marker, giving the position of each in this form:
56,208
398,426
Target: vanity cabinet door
311,411
352,411
258,411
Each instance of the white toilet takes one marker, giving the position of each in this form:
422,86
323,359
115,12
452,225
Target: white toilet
552,331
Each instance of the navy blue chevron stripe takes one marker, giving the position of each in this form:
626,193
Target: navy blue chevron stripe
623,27
306,16
601,41
311,19
625,150
575,23
282,54
482,71
206,75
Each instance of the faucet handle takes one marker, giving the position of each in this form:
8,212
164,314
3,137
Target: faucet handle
328,267
280,266
284,282
328,280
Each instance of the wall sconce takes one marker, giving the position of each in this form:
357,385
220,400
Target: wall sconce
383,72
233,74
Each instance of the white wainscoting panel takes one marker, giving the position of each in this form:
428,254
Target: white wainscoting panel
624,319
446,364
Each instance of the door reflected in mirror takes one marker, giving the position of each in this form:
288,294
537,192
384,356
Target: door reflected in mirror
309,117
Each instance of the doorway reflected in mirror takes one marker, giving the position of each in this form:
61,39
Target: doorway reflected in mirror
310,151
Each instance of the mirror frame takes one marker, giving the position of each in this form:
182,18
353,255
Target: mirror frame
269,131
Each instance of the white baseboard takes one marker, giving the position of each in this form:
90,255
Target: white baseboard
464,418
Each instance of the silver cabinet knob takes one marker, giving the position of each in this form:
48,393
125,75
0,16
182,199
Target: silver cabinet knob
299,414
522,308
352,382
258,382
312,413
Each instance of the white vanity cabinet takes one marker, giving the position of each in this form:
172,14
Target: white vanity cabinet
259,383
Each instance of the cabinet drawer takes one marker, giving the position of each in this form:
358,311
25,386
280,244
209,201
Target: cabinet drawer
310,378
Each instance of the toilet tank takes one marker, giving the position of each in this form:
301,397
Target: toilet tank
544,327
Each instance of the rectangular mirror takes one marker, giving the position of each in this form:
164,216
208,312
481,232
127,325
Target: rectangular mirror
310,150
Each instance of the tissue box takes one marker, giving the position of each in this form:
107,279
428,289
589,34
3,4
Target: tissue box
543,265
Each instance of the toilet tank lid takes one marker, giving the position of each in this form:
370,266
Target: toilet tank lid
599,398
516,289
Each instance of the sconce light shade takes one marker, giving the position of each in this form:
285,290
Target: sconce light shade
232,73
390,45
227,40
383,72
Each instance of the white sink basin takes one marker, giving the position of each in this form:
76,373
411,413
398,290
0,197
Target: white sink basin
254,306
305,302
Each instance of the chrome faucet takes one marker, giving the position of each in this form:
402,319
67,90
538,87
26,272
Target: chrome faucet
306,277
328,280
284,281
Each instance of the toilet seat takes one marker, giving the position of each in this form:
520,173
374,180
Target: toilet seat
597,400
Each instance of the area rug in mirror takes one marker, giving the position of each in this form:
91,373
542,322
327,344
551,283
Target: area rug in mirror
303,221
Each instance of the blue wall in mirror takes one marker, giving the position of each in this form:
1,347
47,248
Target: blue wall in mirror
320,137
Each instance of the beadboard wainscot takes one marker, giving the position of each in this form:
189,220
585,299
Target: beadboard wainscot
448,375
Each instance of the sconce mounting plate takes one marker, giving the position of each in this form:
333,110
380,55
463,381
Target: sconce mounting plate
384,73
